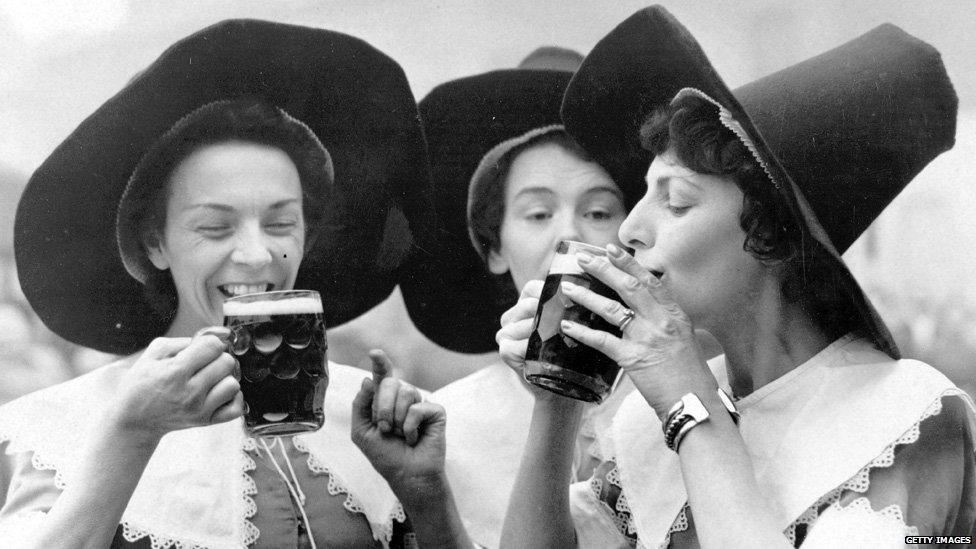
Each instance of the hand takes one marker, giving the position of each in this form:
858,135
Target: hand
401,435
178,383
657,349
513,337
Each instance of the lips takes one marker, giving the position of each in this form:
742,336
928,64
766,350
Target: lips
236,289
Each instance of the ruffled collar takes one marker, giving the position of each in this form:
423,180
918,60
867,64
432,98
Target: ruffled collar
807,432
196,490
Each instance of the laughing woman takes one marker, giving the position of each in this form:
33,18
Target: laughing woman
751,197
250,156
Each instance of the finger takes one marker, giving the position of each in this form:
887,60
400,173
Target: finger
384,404
421,417
608,309
532,288
382,365
512,352
652,284
221,332
629,288
407,396
525,308
604,342
222,392
165,347
231,409
223,366
201,351
362,409
516,330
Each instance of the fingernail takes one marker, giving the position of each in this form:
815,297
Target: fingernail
567,287
384,426
614,250
584,258
566,325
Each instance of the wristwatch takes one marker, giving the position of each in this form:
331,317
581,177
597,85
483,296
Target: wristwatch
689,412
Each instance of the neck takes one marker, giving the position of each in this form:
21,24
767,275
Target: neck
417,359
766,340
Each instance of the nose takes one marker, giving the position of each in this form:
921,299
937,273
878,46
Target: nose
251,249
569,227
637,230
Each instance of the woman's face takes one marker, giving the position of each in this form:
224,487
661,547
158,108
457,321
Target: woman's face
551,195
234,225
686,231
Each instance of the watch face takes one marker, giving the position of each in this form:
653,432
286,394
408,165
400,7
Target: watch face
693,407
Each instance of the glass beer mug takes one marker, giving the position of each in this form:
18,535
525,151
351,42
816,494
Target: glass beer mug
555,361
279,340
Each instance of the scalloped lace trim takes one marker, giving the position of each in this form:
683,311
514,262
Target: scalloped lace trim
351,504
725,117
861,481
133,533
250,532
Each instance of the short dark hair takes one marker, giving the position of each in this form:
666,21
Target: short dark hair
245,120
690,128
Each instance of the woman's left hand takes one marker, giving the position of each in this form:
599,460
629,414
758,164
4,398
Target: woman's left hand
401,435
657,348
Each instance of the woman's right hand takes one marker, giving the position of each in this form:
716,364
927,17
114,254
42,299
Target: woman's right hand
513,337
178,383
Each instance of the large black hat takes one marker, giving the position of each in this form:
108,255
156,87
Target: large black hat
353,97
451,295
840,134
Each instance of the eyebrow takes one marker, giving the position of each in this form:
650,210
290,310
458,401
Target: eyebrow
226,208
592,190
667,179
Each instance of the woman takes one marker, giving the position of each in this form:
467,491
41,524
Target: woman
233,164
496,146
839,443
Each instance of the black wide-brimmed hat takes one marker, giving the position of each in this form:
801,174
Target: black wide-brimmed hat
840,134
452,296
353,97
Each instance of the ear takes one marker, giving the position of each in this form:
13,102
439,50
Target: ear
496,263
154,250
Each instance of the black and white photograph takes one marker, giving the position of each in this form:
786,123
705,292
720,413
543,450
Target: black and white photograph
425,274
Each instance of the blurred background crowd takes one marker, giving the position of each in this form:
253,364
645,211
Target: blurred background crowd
62,58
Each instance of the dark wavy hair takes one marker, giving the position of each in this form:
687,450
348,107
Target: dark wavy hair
690,128
246,120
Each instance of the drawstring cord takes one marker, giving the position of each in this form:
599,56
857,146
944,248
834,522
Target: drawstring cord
293,486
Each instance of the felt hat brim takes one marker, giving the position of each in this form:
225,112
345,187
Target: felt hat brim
840,134
353,97
450,295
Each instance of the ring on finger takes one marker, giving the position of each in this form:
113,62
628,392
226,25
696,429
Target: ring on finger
627,318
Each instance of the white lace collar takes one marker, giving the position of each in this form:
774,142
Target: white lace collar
196,490
807,432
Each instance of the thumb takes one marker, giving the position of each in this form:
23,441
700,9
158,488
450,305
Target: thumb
382,366
362,410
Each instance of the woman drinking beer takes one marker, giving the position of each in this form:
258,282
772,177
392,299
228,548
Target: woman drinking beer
243,160
751,197
509,180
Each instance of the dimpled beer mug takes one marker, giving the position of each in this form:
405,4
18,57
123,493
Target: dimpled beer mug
279,340
555,361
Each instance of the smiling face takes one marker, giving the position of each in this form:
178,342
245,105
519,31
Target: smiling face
686,230
551,194
234,225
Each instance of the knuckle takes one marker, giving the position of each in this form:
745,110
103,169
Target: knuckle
612,308
632,284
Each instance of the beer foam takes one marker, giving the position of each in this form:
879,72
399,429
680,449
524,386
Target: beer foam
565,264
287,306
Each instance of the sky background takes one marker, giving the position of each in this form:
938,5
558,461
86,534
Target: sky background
60,59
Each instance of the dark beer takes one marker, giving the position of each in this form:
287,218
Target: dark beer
279,340
555,361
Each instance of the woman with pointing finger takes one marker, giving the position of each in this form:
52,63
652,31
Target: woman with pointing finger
251,156
823,436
